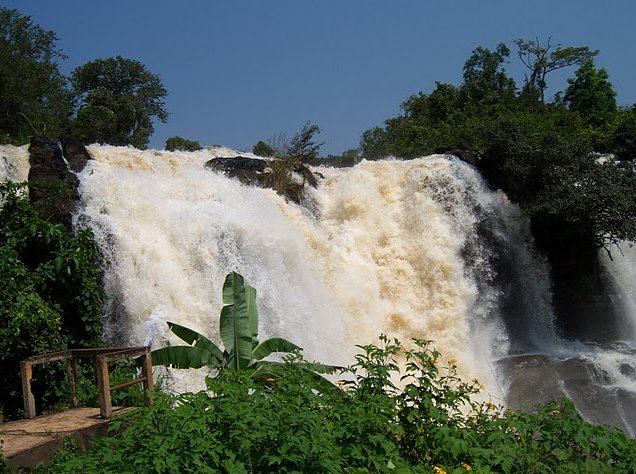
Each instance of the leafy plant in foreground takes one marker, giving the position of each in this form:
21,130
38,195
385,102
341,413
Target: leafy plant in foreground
431,425
50,298
238,328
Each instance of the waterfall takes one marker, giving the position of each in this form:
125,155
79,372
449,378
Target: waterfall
411,249
404,248
14,163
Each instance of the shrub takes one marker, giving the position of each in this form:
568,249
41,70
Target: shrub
431,424
182,144
263,149
50,298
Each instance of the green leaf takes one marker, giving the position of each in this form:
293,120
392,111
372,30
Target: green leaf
235,326
195,339
275,344
252,313
184,357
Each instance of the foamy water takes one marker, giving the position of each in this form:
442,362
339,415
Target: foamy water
382,250
411,249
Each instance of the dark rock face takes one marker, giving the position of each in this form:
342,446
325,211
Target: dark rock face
584,293
466,156
246,170
75,153
285,177
52,181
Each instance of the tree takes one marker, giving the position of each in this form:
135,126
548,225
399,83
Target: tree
302,146
591,94
542,60
374,143
263,149
624,137
485,81
34,98
118,99
182,144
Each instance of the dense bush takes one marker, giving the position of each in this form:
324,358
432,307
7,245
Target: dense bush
50,297
365,424
178,143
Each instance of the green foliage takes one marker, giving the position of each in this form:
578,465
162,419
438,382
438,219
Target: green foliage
238,328
182,144
34,98
302,146
375,143
430,424
624,135
544,59
263,149
540,155
50,297
118,98
485,81
591,94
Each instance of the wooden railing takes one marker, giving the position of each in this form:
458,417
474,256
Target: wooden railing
102,357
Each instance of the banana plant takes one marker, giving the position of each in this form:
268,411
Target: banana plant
238,328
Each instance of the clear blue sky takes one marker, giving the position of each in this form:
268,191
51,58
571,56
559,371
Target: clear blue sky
238,71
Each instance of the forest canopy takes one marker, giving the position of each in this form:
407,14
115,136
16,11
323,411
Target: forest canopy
109,100
569,162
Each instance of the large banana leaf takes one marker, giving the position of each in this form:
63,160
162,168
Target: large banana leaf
184,357
235,327
275,344
252,314
195,339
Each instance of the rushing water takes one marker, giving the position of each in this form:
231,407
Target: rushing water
418,248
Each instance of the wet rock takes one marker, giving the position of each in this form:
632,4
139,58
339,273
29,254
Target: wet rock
52,184
75,153
246,170
466,156
287,178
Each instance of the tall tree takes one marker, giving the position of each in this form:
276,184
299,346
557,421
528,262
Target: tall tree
591,94
34,98
485,80
543,59
118,99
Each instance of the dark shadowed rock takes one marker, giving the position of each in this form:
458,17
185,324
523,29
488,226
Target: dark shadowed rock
52,186
466,156
307,174
286,177
246,170
75,153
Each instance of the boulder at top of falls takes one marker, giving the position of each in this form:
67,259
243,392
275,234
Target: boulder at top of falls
236,163
246,170
466,156
75,153
52,185
287,180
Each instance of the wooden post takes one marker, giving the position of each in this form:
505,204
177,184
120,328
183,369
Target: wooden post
71,371
103,384
26,372
146,369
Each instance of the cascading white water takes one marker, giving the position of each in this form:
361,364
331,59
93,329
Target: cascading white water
623,269
410,249
14,163
418,248
389,247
